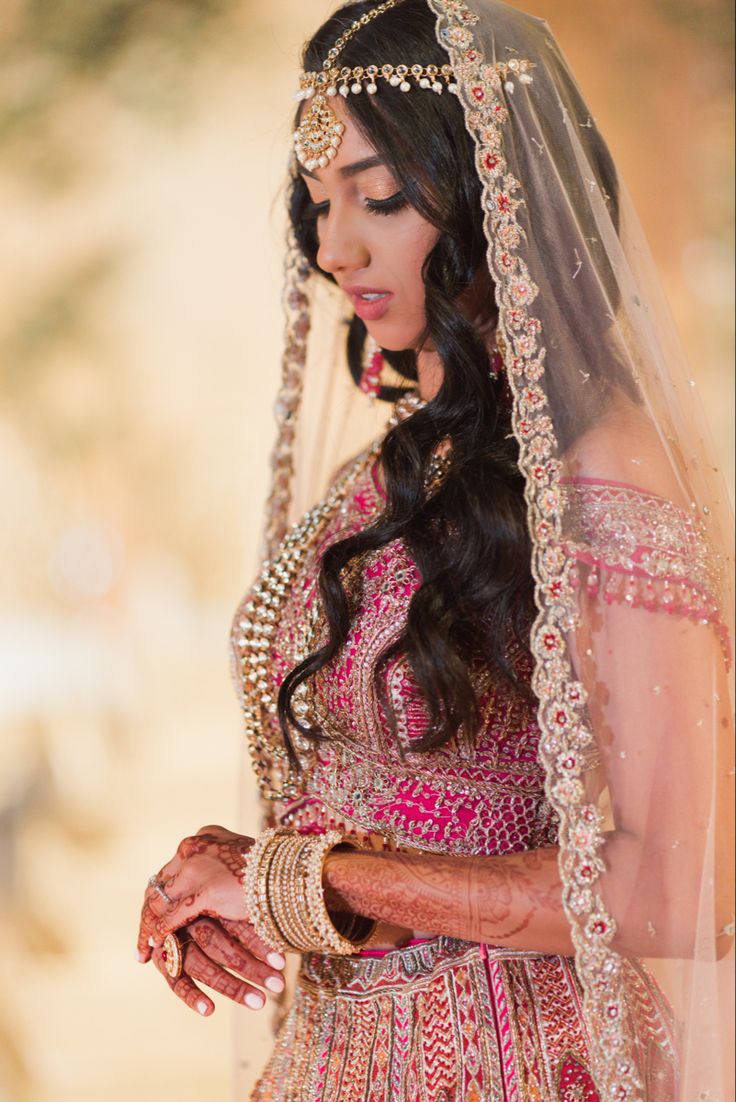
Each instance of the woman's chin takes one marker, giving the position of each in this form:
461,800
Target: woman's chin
391,339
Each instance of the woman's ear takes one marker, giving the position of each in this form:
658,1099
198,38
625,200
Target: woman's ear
478,305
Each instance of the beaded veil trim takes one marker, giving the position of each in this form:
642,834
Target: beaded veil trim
296,312
566,734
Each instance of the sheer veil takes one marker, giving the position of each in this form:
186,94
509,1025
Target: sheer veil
631,555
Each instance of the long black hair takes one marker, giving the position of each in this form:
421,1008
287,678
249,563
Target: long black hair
469,540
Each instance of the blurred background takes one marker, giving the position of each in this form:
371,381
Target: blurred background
142,150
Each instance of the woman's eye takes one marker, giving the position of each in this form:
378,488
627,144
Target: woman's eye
387,206
394,203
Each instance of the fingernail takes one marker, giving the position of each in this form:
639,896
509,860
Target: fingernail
253,1000
275,983
276,960
141,957
202,1006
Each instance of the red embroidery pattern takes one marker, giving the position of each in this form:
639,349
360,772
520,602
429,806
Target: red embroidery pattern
445,1020
466,799
436,1020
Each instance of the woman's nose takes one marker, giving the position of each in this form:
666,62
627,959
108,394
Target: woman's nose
341,246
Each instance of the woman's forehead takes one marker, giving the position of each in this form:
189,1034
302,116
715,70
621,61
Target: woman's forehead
355,153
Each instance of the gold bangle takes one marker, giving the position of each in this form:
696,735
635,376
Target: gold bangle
285,894
287,915
271,855
332,940
294,894
256,896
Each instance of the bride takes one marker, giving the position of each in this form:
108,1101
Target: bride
484,677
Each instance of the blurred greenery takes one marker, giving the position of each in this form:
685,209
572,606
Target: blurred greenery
89,37
712,21
136,52
61,313
66,67
57,369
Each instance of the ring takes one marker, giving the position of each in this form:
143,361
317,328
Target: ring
172,955
155,883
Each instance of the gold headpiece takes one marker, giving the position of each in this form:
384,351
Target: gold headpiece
318,138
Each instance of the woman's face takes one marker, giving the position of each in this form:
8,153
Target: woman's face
370,239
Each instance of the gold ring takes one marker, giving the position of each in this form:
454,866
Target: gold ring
172,955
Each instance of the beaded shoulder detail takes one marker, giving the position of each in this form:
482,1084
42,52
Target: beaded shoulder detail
642,549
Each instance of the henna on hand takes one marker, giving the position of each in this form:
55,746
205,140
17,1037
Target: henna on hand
198,966
223,950
208,954
512,899
184,987
205,877
245,933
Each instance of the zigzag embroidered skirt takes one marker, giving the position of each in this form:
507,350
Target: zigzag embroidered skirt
452,1021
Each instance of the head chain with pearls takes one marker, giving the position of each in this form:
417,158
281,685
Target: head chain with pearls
318,137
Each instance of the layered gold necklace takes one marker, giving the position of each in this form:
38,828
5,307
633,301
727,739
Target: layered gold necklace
277,777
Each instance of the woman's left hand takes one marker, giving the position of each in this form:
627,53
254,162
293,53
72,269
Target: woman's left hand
205,877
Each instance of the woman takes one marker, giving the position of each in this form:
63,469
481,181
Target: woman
484,679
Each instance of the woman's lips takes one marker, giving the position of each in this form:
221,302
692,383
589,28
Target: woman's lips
369,303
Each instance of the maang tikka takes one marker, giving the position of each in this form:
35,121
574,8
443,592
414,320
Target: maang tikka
318,138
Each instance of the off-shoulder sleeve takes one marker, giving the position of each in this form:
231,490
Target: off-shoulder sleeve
637,548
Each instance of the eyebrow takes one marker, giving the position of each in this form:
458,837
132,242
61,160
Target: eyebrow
349,170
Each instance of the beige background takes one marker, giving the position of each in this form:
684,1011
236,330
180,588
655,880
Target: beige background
142,146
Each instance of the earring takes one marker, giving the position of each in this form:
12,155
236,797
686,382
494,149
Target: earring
370,382
498,356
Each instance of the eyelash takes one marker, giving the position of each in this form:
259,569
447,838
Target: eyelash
391,205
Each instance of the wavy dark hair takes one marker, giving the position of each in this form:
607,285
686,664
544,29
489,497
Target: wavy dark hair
470,539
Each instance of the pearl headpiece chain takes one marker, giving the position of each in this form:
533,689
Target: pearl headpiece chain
318,138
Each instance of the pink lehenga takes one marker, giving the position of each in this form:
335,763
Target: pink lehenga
624,760
439,1018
